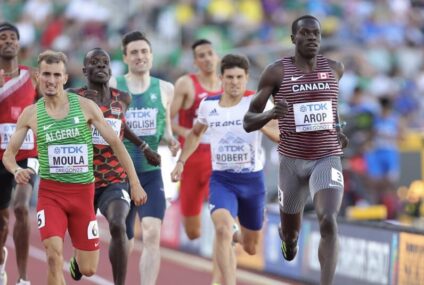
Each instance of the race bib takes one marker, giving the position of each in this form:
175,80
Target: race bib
71,158
233,154
116,126
313,116
6,131
142,122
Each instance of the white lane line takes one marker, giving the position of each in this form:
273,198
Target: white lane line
40,255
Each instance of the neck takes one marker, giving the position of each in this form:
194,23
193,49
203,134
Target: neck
103,90
305,64
229,101
209,81
10,67
57,100
138,82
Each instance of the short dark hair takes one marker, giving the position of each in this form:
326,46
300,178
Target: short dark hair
6,26
51,56
132,37
234,60
200,42
295,23
96,49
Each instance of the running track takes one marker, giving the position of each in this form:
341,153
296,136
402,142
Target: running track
176,267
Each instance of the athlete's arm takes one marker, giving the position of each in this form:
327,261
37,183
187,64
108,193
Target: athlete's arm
271,130
191,143
183,87
269,83
95,116
167,93
25,121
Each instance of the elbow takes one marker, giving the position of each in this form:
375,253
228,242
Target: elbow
247,127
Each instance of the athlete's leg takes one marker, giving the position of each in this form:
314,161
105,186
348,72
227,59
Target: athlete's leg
54,253
223,223
21,228
118,249
6,181
327,205
192,226
87,261
150,257
249,240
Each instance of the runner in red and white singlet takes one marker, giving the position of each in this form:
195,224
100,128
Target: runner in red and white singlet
305,91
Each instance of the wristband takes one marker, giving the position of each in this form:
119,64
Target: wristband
144,146
16,170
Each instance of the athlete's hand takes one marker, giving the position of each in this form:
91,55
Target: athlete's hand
343,140
152,156
178,170
138,195
2,80
280,109
174,146
23,175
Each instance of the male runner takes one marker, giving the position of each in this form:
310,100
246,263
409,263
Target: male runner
190,89
111,187
305,92
17,91
148,117
237,187
61,122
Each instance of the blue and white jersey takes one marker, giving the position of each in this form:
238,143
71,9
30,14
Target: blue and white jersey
233,149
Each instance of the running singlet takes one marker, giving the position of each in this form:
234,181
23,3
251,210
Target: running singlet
187,117
107,169
308,129
233,149
65,148
146,116
16,94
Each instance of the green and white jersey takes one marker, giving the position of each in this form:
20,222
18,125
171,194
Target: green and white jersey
65,148
146,116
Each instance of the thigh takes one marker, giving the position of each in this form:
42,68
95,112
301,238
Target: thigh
52,220
292,187
105,195
82,223
221,195
327,174
156,203
194,185
251,200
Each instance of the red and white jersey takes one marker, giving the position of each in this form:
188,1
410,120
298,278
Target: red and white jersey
16,94
187,117
308,129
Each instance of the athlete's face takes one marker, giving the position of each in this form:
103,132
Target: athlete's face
9,45
307,38
97,67
234,82
139,57
205,58
51,78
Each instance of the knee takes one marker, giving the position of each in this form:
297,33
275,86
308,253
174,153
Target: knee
54,258
151,237
328,225
4,220
21,211
250,248
117,228
192,233
88,270
223,232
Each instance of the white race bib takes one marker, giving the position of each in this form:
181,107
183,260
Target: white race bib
6,131
116,126
233,155
313,116
70,158
142,122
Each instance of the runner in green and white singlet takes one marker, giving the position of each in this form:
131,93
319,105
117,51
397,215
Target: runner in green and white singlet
65,146
61,122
